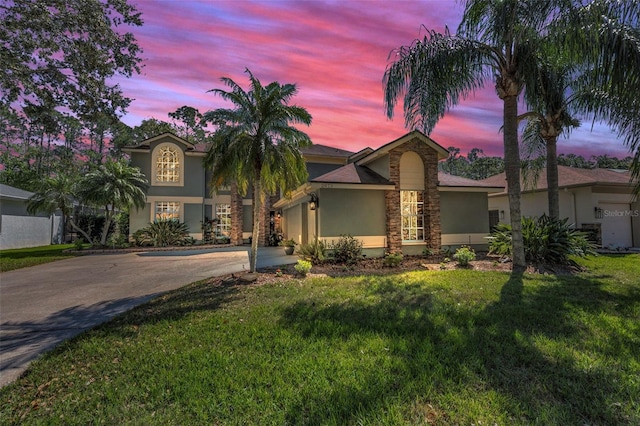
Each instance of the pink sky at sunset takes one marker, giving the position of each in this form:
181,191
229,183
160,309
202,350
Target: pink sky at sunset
334,51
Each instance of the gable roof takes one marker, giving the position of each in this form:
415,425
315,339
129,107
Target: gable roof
384,150
146,144
568,177
353,174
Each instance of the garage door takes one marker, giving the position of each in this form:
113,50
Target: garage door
616,225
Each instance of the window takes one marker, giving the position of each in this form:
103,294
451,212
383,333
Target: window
167,165
494,219
223,214
167,210
412,209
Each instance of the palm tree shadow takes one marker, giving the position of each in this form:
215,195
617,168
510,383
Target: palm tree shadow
498,345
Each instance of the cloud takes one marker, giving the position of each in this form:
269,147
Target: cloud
334,51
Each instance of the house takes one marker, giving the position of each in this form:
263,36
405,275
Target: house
19,229
392,198
599,200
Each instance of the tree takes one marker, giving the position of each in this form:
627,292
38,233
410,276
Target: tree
57,193
114,186
63,53
189,124
560,91
502,40
256,143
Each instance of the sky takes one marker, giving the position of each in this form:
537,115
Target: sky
335,52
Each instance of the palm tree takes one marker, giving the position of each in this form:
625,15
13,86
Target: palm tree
255,143
114,186
502,41
57,193
559,93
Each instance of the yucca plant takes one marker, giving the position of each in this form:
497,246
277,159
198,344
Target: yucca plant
162,233
546,240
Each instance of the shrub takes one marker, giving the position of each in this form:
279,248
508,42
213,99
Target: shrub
303,267
287,243
77,243
117,240
427,251
347,250
546,241
392,260
314,252
464,255
164,233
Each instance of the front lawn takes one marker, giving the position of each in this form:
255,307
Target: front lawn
428,347
22,258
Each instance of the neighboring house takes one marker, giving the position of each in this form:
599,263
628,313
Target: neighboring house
392,198
19,229
600,200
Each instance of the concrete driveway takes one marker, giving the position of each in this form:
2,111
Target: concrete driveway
44,305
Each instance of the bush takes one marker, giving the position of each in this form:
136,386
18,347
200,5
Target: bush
164,233
77,244
546,241
314,252
117,240
347,250
464,255
392,260
303,267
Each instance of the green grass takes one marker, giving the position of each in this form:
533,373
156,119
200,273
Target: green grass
22,258
430,347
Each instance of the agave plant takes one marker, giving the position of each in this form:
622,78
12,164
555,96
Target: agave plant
546,240
163,233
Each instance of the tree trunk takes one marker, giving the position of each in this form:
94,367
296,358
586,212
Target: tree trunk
105,228
552,178
257,210
512,171
78,229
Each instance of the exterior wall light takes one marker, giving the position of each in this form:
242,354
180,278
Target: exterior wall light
313,202
501,214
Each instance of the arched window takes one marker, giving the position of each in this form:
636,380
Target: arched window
168,165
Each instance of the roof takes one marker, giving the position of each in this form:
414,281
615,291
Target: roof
7,191
352,173
568,177
146,144
384,150
445,179
325,151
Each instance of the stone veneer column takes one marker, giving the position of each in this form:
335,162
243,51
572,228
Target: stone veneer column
431,196
236,216
264,222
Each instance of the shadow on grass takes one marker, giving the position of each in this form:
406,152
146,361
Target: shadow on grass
26,340
520,346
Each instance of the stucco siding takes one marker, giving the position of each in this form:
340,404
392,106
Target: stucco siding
293,223
354,212
193,218
464,212
28,231
140,218
380,166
